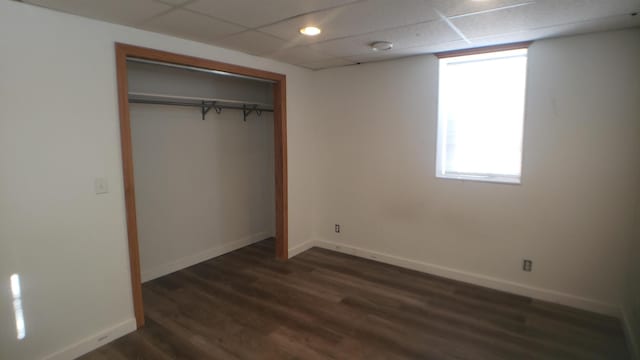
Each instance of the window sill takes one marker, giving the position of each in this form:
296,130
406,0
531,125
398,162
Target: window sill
481,178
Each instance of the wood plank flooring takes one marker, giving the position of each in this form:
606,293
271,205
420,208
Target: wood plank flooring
327,305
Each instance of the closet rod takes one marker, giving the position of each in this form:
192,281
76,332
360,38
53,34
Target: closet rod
194,68
184,103
205,106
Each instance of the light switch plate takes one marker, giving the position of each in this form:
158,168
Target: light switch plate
101,185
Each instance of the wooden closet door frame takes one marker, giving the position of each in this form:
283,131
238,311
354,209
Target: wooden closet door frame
280,140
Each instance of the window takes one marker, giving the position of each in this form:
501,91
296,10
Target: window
481,116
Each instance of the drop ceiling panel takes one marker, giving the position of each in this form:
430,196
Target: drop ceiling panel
190,25
300,55
270,27
128,12
365,58
253,42
174,2
429,33
329,63
251,13
583,27
355,19
410,51
464,7
610,23
542,13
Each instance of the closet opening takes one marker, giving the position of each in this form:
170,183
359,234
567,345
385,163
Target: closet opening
168,102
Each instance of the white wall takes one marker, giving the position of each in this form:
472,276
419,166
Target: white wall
572,215
58,131
632,294
203,188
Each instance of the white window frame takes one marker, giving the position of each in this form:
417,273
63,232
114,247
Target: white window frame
498,52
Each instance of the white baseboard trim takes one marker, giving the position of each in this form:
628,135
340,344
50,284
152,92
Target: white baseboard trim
298,249
482,280
631,334
94,341
189,260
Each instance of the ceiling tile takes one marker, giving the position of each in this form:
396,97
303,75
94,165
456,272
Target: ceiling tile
329,63
300,55
127,12
433,32
362,59
355,19
174,2
190,25
583,27
464,7
380,56
252,13
414,26
253,42
543,13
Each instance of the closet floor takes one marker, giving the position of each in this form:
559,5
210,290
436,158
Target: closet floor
326,305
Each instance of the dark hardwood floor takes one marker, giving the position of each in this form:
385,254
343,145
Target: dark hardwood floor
326,305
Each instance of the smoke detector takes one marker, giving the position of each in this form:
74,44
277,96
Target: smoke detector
381,45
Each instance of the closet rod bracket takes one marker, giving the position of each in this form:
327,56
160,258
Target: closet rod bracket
205,108
246,112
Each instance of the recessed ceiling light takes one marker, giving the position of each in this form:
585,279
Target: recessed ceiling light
310,31
381,45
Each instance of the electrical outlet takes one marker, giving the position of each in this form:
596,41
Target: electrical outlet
337,228
527,265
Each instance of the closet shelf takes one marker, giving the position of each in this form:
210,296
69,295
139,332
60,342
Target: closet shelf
205,104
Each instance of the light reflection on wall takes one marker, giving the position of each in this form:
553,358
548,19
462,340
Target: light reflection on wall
17,306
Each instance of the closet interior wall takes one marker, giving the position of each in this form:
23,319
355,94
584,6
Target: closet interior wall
203,187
